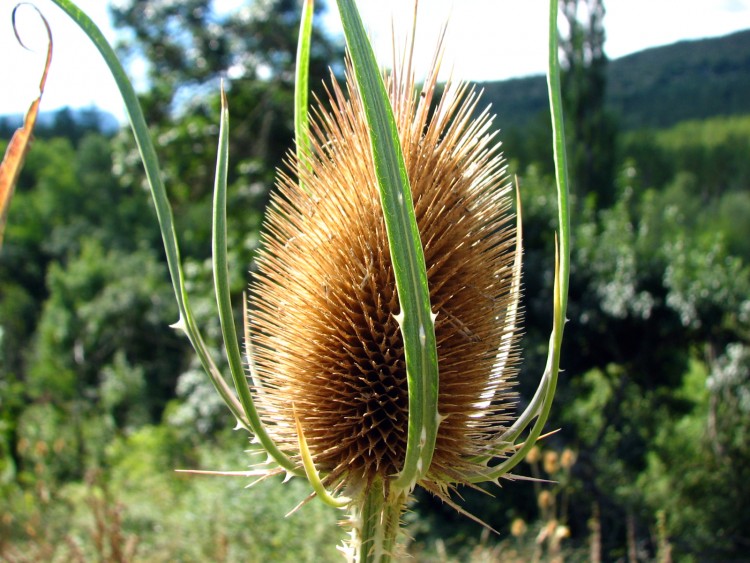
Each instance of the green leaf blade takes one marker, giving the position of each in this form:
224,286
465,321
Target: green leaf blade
301,86
223,297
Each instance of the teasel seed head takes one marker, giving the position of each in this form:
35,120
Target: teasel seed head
327,347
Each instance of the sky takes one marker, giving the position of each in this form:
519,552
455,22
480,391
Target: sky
486,40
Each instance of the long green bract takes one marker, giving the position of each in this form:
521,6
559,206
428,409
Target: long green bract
186,322
561,166
301,87
540,405
223,299
415,317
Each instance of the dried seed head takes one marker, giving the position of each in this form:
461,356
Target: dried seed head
534,455
518,527
568,459
324,298
551,462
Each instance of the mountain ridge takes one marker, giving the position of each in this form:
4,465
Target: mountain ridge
657,87
654,88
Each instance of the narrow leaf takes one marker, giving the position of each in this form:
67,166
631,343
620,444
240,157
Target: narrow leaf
415,318
164,214
223,299
540,405
301,85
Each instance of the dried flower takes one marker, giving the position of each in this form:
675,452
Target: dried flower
551,462
534,455
328,348
517,527
568,459
545,500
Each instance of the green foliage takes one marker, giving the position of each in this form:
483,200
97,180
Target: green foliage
18,310
141,506
48,447
190,45
253,51
657,295
105,307
64,196
707,287
712,152
250,528
731,220
36,213
698,468
12,404
663,86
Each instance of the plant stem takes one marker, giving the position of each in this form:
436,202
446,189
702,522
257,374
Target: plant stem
376,520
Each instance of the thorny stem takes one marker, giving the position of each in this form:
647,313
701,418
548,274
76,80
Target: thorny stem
376,520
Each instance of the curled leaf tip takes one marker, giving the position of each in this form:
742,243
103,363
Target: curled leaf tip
20,143
312,472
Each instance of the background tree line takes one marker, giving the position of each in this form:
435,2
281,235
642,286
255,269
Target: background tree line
100,400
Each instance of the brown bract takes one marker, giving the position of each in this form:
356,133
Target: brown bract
323,301
20,143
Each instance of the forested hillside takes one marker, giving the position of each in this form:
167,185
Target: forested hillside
658,87
100,400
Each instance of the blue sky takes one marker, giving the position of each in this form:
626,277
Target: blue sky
487,40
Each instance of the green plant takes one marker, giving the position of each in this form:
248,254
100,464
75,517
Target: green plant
426,428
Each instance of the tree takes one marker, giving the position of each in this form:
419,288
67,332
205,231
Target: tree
592,132
189,47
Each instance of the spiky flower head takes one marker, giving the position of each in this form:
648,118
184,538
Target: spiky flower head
328,348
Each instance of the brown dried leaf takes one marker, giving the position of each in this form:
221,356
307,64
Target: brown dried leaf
20,143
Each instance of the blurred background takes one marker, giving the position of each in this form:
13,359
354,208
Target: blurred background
100,401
